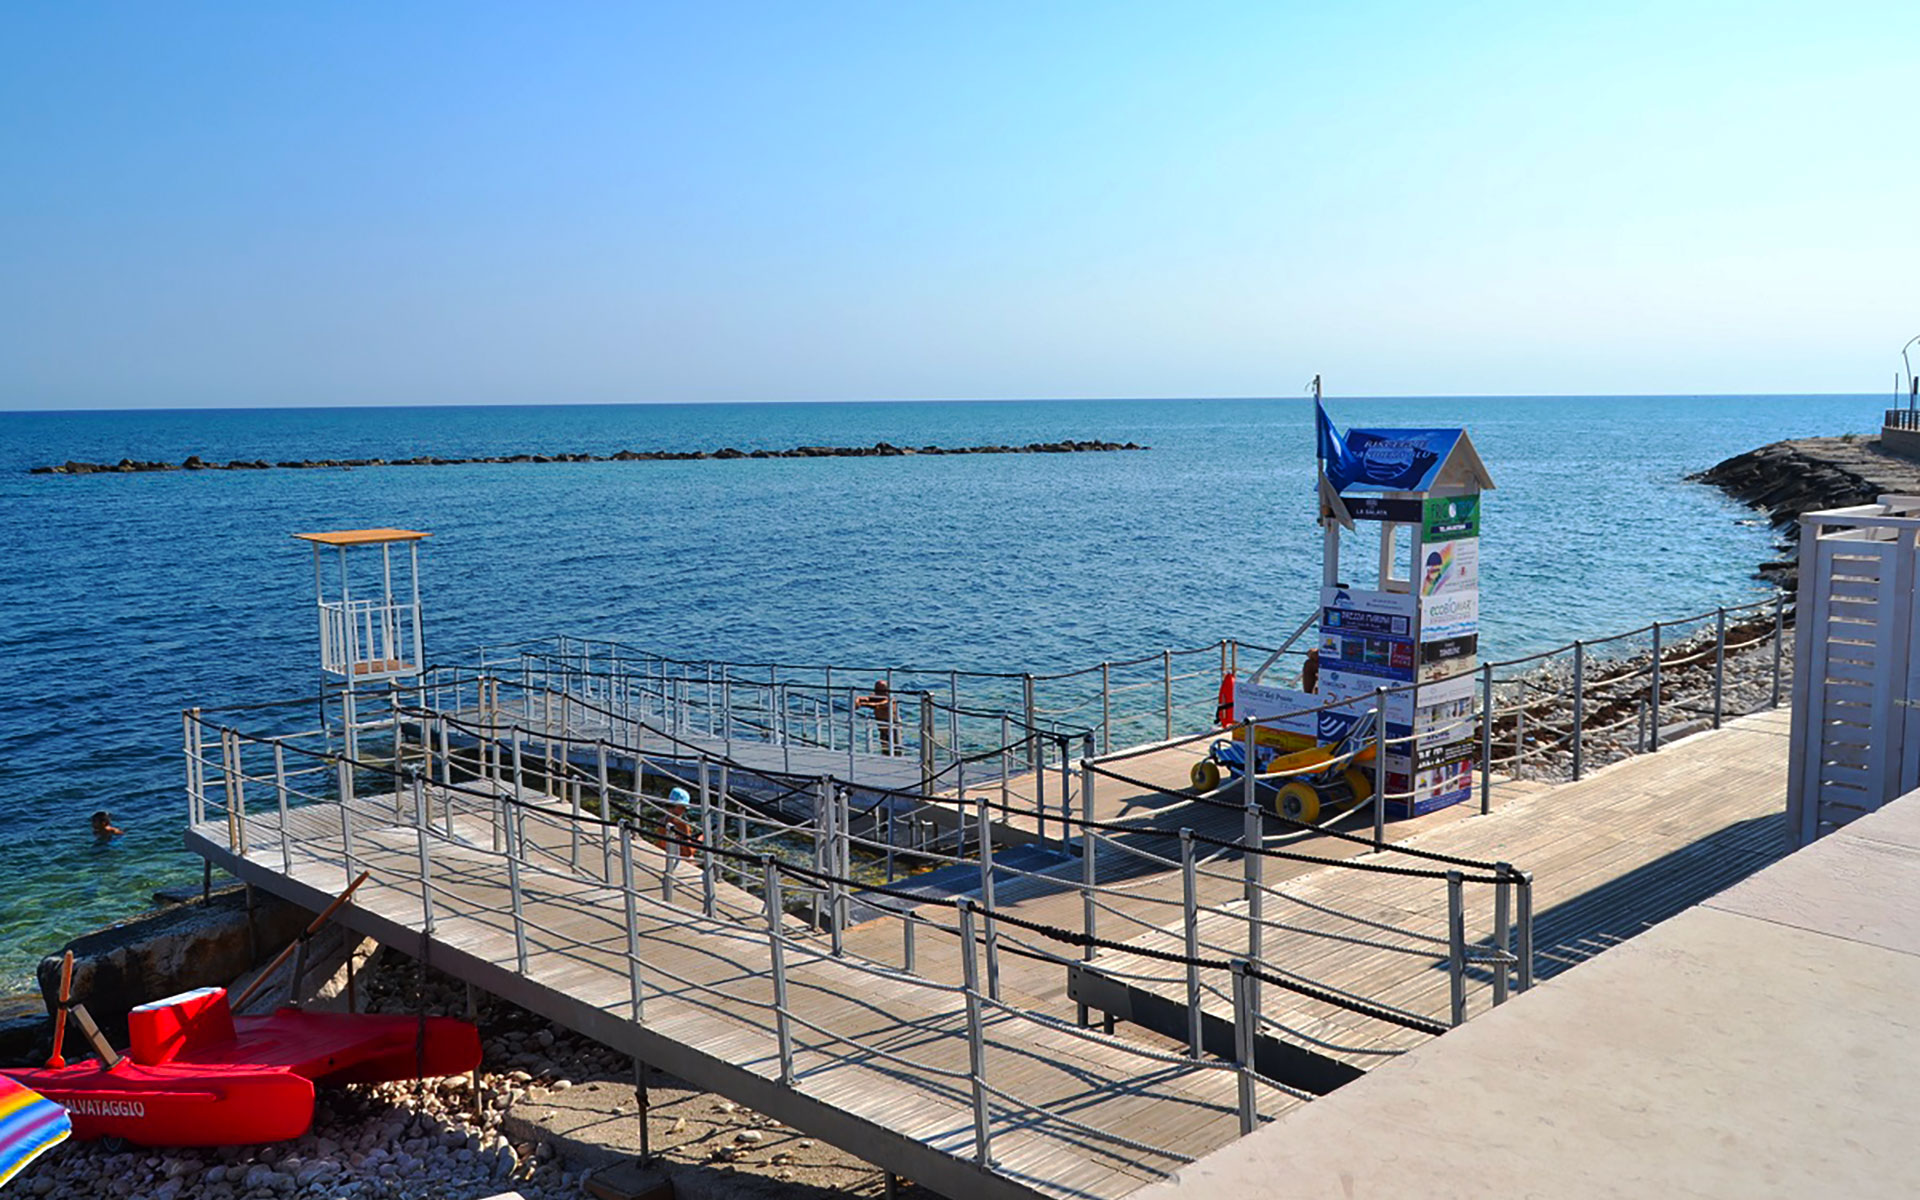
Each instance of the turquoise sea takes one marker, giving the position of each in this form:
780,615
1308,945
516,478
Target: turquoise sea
125,598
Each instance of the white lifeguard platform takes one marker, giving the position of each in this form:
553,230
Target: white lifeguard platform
370,631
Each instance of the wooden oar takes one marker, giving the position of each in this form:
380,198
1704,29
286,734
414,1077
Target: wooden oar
325,914
54,1061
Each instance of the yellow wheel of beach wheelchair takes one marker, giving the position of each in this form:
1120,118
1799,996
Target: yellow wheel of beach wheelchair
1360,780
1205,775
1297,801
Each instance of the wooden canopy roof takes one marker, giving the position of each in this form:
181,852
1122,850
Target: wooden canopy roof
362,537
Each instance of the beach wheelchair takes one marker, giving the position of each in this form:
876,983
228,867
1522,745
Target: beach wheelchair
1344,777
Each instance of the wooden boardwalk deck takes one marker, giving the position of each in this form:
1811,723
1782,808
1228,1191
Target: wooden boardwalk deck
881,1058
1611,855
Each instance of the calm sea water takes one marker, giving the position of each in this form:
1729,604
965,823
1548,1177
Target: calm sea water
124,599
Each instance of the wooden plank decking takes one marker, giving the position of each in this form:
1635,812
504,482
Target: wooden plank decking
707,998
1624,848
1611,855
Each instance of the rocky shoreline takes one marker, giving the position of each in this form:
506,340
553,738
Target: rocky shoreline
1785,479
133,466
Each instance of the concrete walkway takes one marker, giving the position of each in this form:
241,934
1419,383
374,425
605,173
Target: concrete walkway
1763,1043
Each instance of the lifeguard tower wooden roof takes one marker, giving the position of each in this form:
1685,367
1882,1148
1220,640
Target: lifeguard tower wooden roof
1410,460
363,537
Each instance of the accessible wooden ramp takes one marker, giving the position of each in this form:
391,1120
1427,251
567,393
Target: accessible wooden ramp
1628,846
881,1061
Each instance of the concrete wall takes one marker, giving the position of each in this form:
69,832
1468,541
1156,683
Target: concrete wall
1901,441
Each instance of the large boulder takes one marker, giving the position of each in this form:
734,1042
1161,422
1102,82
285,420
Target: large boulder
174,950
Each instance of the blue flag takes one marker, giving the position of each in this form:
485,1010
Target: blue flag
1339,464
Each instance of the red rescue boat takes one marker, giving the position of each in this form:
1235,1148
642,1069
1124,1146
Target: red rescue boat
196,1075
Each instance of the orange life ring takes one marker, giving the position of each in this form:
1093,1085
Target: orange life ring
1223,708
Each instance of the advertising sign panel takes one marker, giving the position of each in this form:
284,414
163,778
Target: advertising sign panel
1449,615
1297,730
1443,701
1450,567
1449,517
1362,507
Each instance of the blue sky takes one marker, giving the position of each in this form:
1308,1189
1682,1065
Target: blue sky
252,204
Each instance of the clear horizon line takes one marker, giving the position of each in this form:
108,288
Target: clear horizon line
1342,399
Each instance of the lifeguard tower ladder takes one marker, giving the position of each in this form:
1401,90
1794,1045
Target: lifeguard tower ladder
370,634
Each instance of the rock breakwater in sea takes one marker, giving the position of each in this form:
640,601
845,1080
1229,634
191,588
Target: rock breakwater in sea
133,466
1785,479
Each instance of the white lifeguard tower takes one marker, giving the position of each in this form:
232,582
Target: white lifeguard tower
370,631
1406,640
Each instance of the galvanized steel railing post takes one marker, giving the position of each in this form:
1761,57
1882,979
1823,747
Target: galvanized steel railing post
976,1041
987,899
446,748
1245,1011
1719,667
1653,726
343,772
1006,745
628,898
232,760
823,846
399,750
1026,693
519,789
1066,790
1456,947
1253,868
853,732
280,790
780,726
1502,930
1040,797
776,948
1088,875
1190,911
190,746
953,714
1579,709
513,889
1779,643
606,791
1380,768
1166,689
1106,708
908,921
842,797
926,744
420,835
707,836
1523,918
1486,737
573,831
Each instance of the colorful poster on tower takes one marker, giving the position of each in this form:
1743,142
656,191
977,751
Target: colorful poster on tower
1450,567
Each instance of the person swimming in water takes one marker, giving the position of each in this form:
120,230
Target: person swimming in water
103,826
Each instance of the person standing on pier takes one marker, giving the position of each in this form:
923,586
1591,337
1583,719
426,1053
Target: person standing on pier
881,702
674,824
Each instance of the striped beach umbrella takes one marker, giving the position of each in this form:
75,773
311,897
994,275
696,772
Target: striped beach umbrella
30,1124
